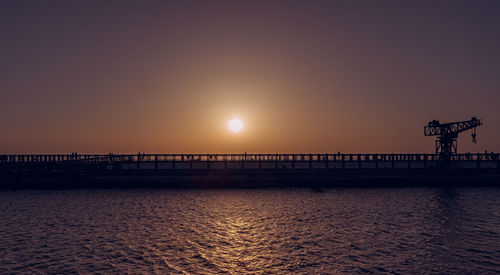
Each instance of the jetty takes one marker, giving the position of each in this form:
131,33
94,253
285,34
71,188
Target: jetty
445,167
248,170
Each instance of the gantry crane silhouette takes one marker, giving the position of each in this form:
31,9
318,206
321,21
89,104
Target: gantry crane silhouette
447,134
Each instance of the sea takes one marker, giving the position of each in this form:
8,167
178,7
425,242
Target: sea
251,231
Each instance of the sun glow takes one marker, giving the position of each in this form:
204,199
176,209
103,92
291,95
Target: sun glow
235,125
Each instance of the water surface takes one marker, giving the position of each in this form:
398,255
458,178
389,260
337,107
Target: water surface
410,230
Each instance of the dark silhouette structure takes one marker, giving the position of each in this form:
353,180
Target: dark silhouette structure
445,167
447,134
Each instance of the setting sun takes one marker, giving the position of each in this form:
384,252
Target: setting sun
235,125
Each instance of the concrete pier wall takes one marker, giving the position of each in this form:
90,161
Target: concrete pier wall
245,170
203,165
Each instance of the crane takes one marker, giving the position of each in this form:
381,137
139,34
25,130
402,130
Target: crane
447,134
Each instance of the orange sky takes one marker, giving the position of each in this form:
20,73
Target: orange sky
332,76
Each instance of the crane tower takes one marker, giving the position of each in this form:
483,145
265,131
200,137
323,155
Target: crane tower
447,134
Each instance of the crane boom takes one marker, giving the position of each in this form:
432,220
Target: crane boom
447,134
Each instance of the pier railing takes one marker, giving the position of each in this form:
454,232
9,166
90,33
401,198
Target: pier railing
309,157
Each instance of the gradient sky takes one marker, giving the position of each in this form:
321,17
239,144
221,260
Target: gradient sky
304,76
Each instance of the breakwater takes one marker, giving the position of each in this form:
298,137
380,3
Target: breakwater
246,170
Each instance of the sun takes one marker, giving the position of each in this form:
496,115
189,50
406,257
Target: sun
235,125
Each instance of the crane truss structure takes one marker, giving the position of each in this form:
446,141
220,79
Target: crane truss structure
447,134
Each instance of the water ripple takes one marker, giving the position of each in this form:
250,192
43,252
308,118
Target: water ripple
250,231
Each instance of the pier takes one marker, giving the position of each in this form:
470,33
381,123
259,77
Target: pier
246,170
256,161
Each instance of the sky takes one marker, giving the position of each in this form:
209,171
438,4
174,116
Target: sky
302,76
